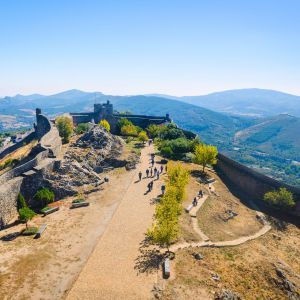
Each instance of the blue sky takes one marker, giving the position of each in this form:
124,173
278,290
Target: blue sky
156,46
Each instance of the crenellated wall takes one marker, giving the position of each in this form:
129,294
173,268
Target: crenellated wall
25,177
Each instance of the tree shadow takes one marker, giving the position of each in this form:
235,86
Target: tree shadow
155,200
149,259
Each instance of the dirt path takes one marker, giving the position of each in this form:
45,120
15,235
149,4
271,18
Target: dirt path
110,272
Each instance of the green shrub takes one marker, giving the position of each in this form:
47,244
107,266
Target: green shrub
44,196
103,123
82,128
29,230
21,203
281,198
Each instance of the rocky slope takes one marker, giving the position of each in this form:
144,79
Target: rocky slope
83,160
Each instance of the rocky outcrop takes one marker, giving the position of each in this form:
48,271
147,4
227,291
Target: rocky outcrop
82,163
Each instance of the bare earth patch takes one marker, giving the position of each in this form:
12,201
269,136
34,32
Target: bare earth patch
251,270
45,268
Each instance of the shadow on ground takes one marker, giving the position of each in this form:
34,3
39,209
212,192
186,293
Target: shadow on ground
149,259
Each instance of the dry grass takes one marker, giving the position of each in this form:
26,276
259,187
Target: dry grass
212,215
247,269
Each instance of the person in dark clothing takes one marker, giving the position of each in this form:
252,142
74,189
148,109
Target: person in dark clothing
149,187
163,189
152,162
166,168
151,172
155,171
147,173
157,175
200,194
140,175
161,169
195,201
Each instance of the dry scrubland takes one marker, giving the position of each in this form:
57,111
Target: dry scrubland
248,269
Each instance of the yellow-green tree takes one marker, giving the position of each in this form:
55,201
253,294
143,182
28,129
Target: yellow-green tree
281,198
103,123
165,229
143,137
65,127
178,177
129,130
205,155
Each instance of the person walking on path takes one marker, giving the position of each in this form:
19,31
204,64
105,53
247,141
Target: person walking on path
157,176
149,187
152,163
161,169
151,172
140,175
147,173
155,171
195,201
166,168
163,189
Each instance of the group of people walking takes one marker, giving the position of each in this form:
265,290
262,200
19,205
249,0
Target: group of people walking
200,195
153,172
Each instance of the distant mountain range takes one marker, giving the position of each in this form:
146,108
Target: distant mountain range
259,123
247,102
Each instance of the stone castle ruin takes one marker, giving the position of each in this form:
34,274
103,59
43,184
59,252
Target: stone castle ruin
41,158
106,111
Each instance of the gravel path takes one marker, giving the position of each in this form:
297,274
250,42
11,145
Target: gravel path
110,271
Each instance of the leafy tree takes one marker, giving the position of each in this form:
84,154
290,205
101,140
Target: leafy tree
26,214
129,130
205,155
65,127
122,122
82,128
281,198
165,229
154,130
143,137
21,201
105,125
44,196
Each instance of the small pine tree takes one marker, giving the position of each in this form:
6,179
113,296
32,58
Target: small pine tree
103,123
26,214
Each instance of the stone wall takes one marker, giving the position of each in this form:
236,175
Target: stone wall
249,181
16,146
25,178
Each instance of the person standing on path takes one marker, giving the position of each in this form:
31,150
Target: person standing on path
149,187
155,171
161,169
147,173
151,172
157,176
140,175
152,163
163,189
